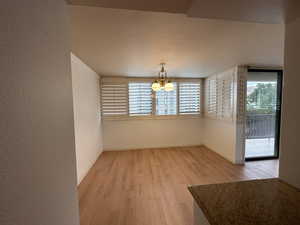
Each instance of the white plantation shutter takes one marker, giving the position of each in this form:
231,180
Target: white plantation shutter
240,94
166,102
114,99
140,99
219,95
220,98
211,96
189,98
225,95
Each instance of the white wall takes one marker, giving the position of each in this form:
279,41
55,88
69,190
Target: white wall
220,137
87,116
289,150
37,150
151,133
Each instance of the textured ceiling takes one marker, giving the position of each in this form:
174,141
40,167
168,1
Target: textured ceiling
133,43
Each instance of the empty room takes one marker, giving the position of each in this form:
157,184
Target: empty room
149,112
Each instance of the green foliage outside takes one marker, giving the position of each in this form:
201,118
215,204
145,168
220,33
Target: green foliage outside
263,99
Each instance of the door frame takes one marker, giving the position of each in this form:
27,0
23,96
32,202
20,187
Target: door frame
277,114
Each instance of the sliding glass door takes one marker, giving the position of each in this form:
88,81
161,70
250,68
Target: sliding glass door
263,114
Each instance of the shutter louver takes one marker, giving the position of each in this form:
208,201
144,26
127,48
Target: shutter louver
211,96
114,98
225,96
189,98
140,99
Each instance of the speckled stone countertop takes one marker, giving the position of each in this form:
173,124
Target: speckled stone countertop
256,202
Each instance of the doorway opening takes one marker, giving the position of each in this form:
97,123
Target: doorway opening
263,110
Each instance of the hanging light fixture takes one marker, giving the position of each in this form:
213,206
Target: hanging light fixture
162,83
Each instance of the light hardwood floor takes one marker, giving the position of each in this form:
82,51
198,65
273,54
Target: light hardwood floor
149,187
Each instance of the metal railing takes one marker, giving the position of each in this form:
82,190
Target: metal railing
260,126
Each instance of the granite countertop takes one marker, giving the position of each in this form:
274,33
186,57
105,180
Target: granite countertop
256,202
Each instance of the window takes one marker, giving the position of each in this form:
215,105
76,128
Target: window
189,98
219,96
166,102
114,99
225,97
211,96
140,99
133,97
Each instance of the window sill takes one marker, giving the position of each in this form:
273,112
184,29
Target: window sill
167,117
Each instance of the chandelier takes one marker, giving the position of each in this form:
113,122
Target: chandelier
162,83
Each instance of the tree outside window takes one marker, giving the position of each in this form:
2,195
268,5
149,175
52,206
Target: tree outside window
261,97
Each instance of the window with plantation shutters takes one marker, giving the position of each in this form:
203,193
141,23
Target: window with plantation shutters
189,98
225,96
211,96
140,99
219,95
166,102
114,99
129,98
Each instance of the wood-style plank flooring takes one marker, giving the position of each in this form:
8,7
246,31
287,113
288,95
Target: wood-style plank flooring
149,187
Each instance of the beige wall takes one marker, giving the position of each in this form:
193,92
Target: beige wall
290,154
87,116
151,133
37,151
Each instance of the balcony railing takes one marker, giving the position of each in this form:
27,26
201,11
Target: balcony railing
260,126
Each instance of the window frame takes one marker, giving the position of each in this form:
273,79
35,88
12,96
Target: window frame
153,115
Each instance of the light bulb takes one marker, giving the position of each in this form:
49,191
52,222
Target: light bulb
156,86
169,86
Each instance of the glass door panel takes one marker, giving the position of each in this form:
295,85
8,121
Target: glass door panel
263,114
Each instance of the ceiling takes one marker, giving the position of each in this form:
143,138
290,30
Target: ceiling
265,11
118,42
177,6
262,11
